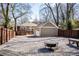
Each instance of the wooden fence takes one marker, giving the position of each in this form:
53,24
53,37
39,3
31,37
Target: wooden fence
6,35
23,32
68,33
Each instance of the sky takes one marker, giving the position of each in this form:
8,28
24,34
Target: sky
35,9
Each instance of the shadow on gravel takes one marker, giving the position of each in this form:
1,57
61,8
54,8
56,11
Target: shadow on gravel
73,46
1,55
45,50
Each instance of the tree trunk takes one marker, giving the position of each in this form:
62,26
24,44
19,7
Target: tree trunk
57,14
15,26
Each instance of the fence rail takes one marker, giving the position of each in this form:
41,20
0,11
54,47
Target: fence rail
6,35
68,33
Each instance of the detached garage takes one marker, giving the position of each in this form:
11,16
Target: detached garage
48,29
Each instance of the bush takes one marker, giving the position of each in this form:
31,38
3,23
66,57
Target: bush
71,24
75,24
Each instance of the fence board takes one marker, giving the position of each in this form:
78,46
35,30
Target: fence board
68,33
6,35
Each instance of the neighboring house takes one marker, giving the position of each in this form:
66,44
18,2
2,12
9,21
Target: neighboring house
28,27
48,29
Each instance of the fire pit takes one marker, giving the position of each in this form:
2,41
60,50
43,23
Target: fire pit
51,45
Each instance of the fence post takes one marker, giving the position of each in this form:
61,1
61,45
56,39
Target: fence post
9,34
62,32
77,33
1,42
71,33
6,34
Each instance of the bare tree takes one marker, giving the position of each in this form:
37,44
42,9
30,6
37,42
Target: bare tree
60,13
5,13
56,18
69,15
21,9
45,14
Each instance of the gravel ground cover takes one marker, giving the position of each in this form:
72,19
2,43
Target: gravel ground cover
24,46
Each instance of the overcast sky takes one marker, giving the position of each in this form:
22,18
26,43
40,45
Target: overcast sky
35,9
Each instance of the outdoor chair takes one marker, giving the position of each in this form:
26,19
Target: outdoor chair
74,41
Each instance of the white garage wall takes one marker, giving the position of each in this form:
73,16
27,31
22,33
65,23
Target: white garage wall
49,32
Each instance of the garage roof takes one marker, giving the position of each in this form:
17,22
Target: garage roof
29,24
48,24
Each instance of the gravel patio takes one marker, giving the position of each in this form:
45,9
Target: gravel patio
24,46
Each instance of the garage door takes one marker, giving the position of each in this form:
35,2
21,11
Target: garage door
48,32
